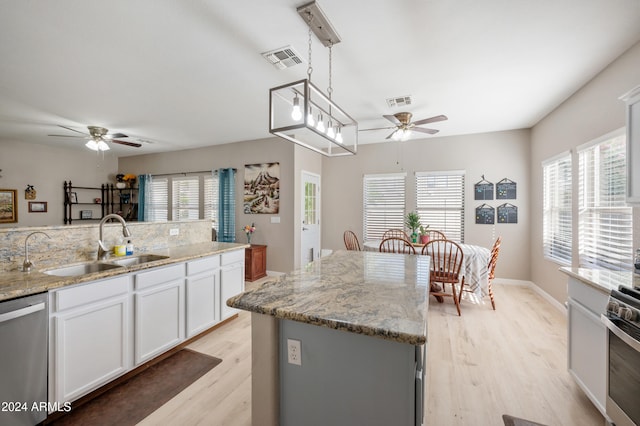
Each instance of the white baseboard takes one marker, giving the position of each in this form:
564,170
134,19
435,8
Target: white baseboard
546,296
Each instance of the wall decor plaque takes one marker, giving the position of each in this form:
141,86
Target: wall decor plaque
507,213
483,190
506,190
485,215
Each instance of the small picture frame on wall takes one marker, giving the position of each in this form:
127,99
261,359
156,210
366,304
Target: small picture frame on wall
8,206
86,214
37,206
73,198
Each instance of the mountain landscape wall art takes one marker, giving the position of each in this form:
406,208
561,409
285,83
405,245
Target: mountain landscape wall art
262,188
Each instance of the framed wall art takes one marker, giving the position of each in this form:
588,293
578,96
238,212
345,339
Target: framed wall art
483,190
485,215
37,206
262,188
506,190
8,206
507,213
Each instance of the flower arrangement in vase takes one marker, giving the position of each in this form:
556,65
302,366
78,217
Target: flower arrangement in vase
249,229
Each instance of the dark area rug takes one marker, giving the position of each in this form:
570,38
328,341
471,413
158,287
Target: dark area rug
131,401
514,421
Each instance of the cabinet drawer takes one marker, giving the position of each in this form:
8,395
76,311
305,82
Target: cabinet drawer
159,276
593,299
90,292
232,257
201,265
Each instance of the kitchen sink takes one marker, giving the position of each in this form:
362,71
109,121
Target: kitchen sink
82,269
137,260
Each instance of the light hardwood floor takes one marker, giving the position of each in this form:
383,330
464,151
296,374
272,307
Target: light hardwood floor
481,365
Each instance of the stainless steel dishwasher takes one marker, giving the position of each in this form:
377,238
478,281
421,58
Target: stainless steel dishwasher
23,360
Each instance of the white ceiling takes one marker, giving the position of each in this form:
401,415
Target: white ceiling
186,74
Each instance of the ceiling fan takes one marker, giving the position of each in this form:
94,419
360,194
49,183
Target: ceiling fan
403,126
98,138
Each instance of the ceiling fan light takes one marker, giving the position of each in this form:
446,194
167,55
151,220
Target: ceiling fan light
92,145
102,146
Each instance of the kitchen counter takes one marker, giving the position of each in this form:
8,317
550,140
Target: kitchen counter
324,337
16,283
603,280
376,294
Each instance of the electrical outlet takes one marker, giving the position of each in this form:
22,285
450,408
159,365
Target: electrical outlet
294,352
174,231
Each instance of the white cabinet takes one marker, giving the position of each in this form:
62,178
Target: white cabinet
90,337
632,99
203,294
231,279
587,356
159,311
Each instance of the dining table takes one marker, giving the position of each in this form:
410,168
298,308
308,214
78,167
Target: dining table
474,267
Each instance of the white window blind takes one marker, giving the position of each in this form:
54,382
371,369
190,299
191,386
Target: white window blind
556,209
185,198
211,200
605,223
157,195
384,205
440,202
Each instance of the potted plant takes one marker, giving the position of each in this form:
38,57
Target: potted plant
424,237
412,221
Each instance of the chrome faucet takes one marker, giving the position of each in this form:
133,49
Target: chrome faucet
27,264
102,249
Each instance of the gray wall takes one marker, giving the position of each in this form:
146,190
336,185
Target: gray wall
591,112
46,167
496,155
279,237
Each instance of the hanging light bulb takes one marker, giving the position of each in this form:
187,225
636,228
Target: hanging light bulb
338,135
320,125
330,130
296,112
310,121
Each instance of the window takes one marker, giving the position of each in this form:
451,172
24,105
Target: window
156,200
383,196
190,197
556,209
440,202
605,223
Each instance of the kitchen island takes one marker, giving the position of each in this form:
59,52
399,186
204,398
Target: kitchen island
340,341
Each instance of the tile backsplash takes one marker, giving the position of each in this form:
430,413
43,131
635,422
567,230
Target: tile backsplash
79,243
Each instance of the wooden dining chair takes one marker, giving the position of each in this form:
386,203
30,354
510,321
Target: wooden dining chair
491,268
436,235
396,245
351,241
395,233
446,261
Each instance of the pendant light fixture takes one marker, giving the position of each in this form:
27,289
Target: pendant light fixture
333,132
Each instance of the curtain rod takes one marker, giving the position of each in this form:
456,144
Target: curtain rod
185,173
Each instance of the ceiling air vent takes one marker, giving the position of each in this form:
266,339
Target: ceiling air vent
282,58
399,101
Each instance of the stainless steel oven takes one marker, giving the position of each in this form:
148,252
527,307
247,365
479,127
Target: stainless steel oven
622,319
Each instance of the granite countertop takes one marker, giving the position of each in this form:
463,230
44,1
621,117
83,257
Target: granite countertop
16,283
376,294
603,280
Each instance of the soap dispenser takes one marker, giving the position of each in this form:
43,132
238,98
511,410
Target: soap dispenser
129,248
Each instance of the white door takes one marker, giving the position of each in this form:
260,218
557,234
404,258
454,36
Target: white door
310,235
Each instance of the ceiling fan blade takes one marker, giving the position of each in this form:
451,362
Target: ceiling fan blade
392,119
377,128
431,120
423,130
73,130
69,136
134,144
117,135
391,135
